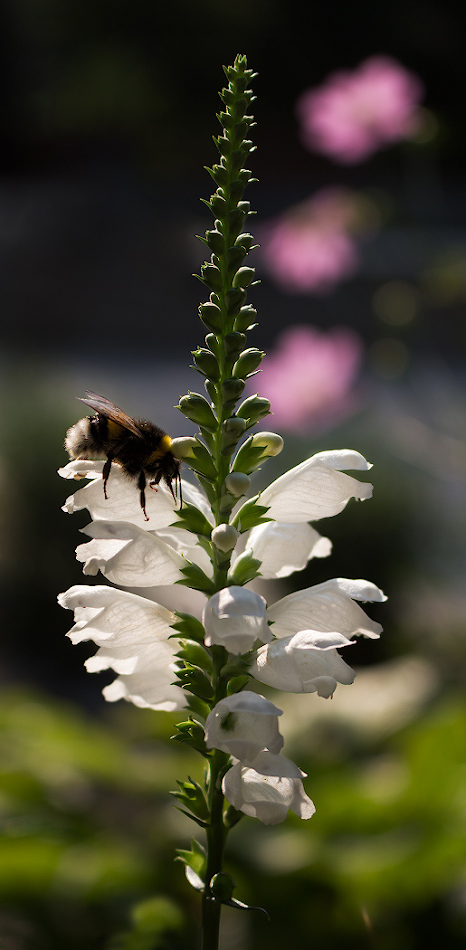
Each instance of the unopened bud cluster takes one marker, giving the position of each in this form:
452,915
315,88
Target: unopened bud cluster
225,360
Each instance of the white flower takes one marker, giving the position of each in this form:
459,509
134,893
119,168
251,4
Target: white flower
267,788
235,618
243,725
306,662
128,555
327,607
285,548
122,503
317,488
132,635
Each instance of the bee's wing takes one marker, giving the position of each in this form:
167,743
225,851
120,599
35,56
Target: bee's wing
107,408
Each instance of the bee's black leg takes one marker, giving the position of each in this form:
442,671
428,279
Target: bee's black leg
106,473
142,493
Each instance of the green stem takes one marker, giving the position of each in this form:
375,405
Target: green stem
216,831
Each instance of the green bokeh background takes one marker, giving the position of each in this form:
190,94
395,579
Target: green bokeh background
108,111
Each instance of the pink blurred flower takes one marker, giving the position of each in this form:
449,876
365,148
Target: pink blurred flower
308,378
355,113
309,249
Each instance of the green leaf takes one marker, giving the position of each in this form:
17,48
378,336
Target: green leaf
236,684
192,652
192,797
195,680
196,858
245,569
195,578
193,520
250,514
189,627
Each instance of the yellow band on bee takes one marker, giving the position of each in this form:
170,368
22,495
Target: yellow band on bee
163,448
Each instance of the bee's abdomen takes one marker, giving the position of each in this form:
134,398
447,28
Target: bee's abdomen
87,438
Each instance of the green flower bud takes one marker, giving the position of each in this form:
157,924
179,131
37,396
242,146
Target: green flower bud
222,886
217,205
235,425
270,442
215,241
245,319
224,536
244,277
219,173
235,219
213,344
248,362
232,388
235,257
234,300
253,408
232,430
245,241
237,484
206,363
234,343
196,408
211,315
212,276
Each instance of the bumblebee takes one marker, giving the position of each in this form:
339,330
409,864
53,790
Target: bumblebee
140,447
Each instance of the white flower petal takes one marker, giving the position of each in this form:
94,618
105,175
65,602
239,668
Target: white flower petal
132,634
128,555
327,607
106,614
298,664
146,690
267,795
243,725
235,618
317,488
285,548
122,503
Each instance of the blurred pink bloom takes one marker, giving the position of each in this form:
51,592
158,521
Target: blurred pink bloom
309,248
308,378
355,113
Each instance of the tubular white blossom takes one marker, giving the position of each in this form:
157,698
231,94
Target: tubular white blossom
128,555
132,635
267,788
235,618
306,662
317,488
327,607
243,725
285,548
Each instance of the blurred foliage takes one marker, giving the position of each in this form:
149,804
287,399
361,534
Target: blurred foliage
89,832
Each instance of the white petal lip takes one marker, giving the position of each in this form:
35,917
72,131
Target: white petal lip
128,555
109,614
327,607
122,503
317,488
267,788
132,635
306,662
285,548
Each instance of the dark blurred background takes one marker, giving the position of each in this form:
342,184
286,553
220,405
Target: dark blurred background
107,113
